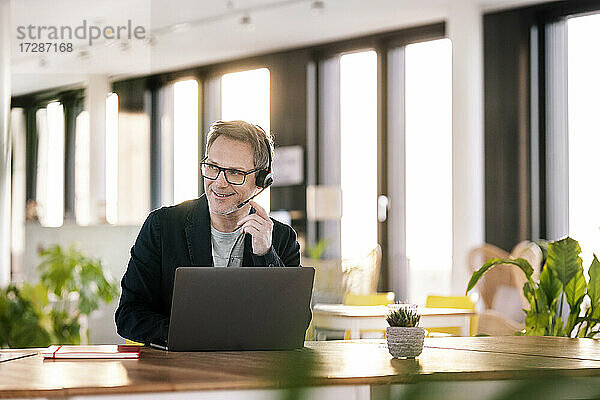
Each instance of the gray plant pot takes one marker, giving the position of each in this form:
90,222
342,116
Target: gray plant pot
405,341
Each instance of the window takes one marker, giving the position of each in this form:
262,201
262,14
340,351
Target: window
179,170
185,140
82,169
112,156
246,95
417,237
428,155
127,164
583,135
51,164
358,127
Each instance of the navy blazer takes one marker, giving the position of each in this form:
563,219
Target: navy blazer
172,237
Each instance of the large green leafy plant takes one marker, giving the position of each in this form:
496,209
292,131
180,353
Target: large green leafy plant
21,319
71,287
76,284
562,284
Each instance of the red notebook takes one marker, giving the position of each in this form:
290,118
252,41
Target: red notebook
100,351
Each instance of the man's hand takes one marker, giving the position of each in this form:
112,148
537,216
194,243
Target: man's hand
260,226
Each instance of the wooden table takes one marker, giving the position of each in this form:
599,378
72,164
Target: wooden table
363,369
357,318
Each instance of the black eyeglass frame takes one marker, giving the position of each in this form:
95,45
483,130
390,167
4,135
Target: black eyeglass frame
224,170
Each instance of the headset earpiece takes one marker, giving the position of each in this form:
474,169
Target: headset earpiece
264,177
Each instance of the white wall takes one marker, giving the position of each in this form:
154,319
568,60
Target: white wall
109,243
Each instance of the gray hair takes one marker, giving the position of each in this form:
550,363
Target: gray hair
245,132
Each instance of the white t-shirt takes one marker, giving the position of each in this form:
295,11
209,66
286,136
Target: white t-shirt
223,247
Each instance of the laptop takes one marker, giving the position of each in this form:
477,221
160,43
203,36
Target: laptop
246,308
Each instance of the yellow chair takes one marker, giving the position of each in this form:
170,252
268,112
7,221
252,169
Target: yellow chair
132,343
464,302
372,299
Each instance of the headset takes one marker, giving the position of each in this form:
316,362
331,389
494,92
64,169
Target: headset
264,178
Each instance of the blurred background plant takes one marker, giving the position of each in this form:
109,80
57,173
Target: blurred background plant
55,310
316,252
21,319
562,302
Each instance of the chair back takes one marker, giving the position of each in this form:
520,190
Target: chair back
328,285
531,252
372,299
463,302
361,274
493,278
501,288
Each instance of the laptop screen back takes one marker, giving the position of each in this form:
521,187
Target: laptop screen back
249,308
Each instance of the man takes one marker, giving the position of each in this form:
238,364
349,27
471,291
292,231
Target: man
221,228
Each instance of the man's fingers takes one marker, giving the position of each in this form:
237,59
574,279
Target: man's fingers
255,224
250,229
259,210
251,217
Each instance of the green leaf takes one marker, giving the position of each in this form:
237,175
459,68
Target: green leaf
529,293
550,286
19,321
594,287
519,262
581,333
66,328
563,259
38,294
559,329
540,300
575,290
318,249
537,324
572,321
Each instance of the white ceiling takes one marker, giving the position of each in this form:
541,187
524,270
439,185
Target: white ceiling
209,31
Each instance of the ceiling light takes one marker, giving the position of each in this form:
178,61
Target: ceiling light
317,7
246,22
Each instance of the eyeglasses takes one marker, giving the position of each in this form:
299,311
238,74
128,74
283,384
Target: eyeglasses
233,176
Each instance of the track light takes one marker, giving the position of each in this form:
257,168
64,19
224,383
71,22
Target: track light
317,7
246,22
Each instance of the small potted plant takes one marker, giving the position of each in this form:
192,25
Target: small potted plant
404,337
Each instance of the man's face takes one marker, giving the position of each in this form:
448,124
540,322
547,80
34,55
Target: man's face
222,196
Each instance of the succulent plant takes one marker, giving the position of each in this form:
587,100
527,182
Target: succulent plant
404,316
